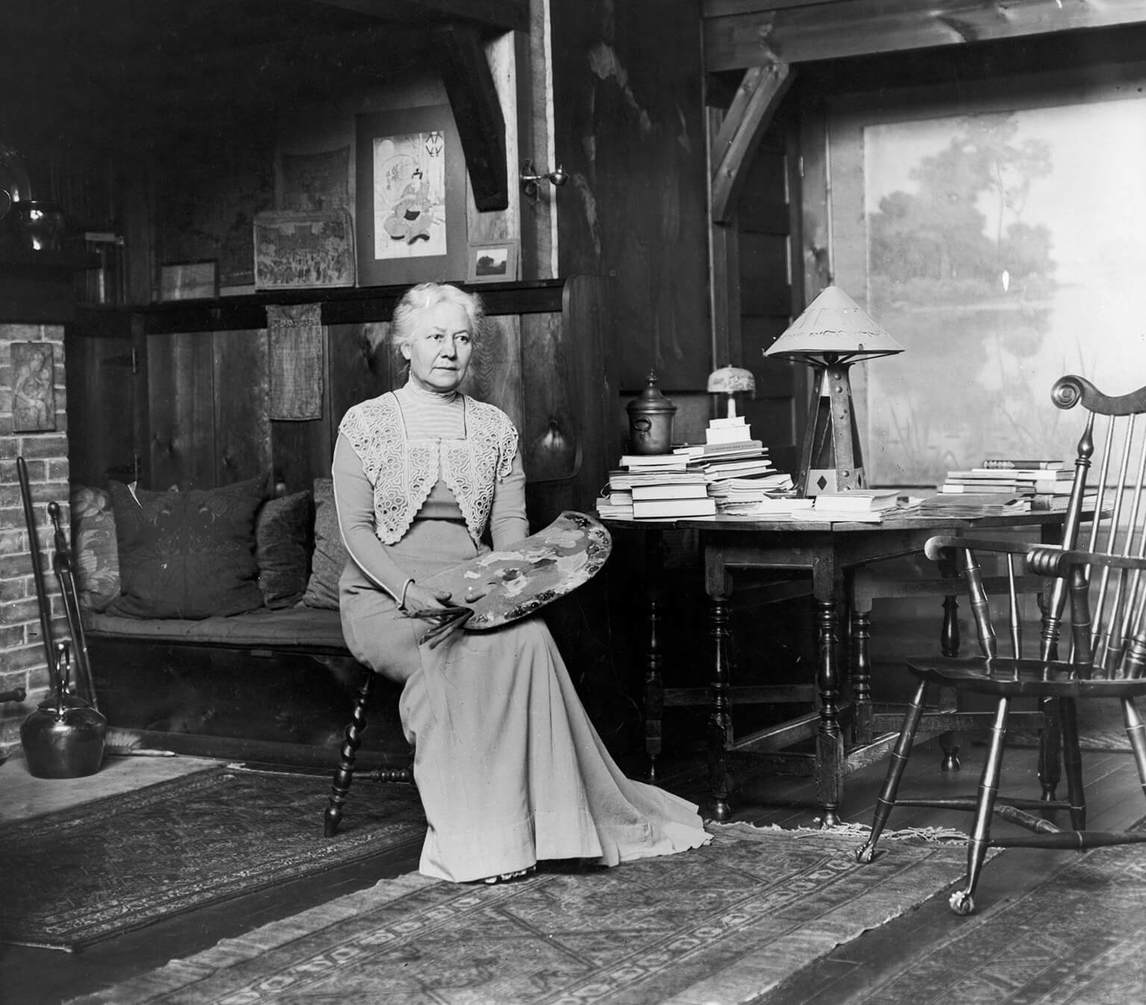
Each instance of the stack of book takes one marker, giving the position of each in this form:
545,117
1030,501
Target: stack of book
856,505
656,486
741,476
969,504
752,496
1011,477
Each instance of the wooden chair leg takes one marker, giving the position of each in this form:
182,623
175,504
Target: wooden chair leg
963,901
344,774
1136,731
1050,749
1072,763
898,761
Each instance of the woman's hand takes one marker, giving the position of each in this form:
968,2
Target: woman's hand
422,598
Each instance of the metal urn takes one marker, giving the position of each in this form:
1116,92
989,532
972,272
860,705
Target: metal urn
650,420
64,737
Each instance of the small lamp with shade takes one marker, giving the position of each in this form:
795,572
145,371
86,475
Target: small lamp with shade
731,381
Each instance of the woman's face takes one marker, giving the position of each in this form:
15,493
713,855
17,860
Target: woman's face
440,348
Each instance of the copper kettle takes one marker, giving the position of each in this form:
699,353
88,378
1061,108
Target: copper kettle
64,737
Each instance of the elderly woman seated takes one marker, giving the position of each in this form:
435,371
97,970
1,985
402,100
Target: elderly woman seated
509,767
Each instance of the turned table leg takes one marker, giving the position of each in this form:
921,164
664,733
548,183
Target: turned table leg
718,586
861,674
654,690
829,739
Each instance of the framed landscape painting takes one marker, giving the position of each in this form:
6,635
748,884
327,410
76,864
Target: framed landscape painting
1002,242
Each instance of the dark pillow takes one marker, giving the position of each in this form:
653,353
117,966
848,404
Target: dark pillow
283,531
330,556
187,554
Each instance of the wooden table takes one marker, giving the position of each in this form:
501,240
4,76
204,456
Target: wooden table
829,552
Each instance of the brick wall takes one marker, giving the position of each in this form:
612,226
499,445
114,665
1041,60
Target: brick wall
45,451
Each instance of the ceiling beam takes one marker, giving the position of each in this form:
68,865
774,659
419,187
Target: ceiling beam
742,33
746,121
477,112
500,15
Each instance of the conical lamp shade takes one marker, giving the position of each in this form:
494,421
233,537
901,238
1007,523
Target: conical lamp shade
833,329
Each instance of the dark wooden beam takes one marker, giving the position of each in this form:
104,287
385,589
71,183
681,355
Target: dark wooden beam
747,120
503,15
477,112
743,33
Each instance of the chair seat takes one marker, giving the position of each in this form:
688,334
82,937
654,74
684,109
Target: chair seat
1011,678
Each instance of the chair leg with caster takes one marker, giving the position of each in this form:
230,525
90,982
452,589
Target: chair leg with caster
899,758
344,774
962,902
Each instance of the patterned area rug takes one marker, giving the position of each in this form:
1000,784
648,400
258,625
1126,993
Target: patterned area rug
108,866
720,924
1078,937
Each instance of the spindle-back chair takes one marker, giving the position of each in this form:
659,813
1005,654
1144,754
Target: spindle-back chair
1096,585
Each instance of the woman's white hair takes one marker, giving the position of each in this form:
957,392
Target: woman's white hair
422,297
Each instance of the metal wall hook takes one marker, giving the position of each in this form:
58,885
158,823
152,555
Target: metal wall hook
531,178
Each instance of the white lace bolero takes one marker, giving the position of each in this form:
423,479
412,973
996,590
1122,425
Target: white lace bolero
404,470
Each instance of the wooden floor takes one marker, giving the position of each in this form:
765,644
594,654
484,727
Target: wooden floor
41,977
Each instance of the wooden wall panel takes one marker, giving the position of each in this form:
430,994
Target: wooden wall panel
359,365
551,432
630,131
495,367
241,387
181,397
101,408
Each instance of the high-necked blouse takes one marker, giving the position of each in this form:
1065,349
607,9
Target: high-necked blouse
423,455
399,439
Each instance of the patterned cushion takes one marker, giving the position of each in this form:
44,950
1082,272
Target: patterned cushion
94,547
283,531
330,556
187,554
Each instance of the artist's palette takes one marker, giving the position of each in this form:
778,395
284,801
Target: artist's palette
501,586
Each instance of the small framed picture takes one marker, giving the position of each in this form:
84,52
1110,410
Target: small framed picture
188,280
492,263
296,250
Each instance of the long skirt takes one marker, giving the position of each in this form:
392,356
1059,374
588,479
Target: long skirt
509,768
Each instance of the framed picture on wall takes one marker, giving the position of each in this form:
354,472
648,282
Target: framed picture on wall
188,280
997,234
411,196
304,250
492,263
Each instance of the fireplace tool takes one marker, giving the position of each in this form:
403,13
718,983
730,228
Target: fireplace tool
64,737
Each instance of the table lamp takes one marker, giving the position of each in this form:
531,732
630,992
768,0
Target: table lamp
731,380
833,333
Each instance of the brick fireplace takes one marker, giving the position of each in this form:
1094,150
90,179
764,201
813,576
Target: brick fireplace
33,425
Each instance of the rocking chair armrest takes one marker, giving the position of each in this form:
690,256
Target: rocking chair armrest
935,546
1061,560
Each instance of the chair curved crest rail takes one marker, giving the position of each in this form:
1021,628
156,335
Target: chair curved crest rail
1086,642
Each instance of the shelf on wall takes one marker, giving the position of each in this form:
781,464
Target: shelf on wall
350,305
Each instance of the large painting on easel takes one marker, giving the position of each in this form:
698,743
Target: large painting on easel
1003,247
